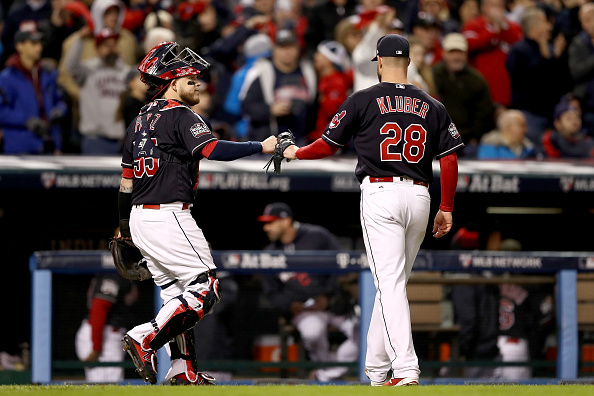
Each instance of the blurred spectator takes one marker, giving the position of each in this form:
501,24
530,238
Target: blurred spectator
365,72
464,92
132,98
25,15
531,61
159,18
31,104
323,20
256,47
348,34
567,139
105,14
278,94
439,10
581,65
330,62
157,35
199,23
136,11
517,8
110,301
288,14
468,10
305,298
489,37
567,21
427,30
419,72
509,140
101,81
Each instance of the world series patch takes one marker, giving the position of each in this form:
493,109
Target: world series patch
453,131
199,129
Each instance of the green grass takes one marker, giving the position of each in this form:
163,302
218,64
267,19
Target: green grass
299,390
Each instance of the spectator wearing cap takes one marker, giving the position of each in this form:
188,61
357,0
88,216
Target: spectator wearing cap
104,14
509,140
334,85
304,298
531,61
31,104
489,37
278,94
427,30
464,92
581,65
256,47
567,139
25,15
101,81
323,19
440,12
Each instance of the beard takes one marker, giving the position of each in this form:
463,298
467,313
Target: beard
191,98
110,59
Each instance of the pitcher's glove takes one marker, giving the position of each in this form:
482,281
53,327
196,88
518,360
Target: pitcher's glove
128,260
283,140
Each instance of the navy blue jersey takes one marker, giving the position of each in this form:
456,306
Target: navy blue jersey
397,129
162,148
122,293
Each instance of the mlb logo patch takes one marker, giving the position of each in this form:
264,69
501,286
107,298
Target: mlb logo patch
199,129
453,131
398,52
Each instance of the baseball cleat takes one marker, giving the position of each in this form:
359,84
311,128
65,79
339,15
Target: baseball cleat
203,379
402,382
145,361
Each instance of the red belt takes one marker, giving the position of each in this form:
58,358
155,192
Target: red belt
184,206
391,179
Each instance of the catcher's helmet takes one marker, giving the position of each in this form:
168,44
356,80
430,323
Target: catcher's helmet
165,62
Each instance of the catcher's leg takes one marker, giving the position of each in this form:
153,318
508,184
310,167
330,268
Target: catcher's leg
183,369
175,317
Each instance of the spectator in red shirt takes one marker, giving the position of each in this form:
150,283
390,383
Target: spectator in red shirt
489,37
330,62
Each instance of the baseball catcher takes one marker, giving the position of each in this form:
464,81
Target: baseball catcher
283,140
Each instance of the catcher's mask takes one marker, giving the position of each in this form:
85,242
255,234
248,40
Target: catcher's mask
166,62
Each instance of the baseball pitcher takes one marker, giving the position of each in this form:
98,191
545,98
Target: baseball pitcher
397,130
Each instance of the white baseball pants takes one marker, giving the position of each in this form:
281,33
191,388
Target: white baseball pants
394,218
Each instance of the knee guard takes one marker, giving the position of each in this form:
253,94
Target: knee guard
181,314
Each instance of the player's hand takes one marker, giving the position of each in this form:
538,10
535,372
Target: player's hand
268,145
93,356
291,152
442,223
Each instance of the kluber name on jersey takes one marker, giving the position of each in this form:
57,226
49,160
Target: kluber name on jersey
397,128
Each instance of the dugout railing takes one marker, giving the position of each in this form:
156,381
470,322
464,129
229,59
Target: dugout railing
514,267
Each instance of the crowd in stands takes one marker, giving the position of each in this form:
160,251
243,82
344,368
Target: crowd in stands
516,76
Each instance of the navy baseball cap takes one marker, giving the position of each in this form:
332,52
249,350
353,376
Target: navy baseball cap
27,35
563,107
392,45
274,211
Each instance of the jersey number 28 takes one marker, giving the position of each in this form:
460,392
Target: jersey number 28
413,149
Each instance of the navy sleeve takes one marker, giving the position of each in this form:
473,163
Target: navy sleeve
229,151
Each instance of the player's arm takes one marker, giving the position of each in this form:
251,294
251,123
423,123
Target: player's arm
448,180
224,150
316,150
97,319
125,202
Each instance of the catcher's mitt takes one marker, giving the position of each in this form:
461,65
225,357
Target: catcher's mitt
283,140
128,260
